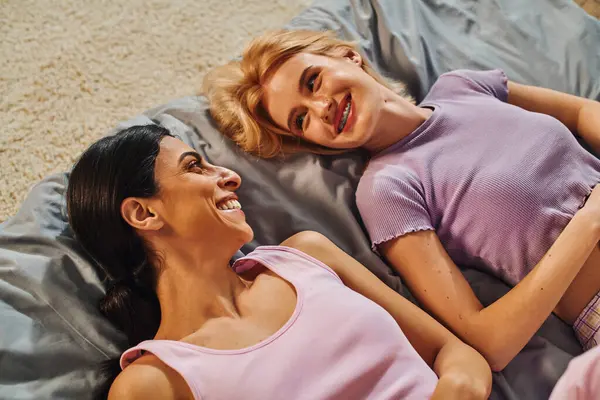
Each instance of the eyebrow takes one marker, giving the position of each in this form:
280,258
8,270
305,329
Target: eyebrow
303,78
301,83
289,120
189,153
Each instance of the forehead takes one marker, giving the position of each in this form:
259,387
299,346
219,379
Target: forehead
296,64
172,147
170,150
281,88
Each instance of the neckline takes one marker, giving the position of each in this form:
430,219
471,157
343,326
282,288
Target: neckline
414,134
265,342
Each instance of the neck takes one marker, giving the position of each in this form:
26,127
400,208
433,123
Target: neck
194,288
398,119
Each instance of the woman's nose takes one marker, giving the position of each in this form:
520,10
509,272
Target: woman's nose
324,109
229,180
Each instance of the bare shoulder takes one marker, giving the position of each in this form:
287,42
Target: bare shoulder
149,378
305,239
320,247
312,243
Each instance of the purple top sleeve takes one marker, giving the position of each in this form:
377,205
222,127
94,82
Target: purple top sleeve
395,205
462,81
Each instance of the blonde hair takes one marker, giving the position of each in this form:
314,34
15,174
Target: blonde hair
235,90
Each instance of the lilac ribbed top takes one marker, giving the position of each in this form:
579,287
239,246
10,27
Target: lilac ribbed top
497,183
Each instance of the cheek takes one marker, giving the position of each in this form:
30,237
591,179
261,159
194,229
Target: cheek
317,131
194,218
187,203
337,81
366,119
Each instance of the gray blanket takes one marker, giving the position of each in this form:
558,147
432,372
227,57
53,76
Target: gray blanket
51,334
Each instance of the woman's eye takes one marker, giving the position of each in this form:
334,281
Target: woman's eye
196,165
300,121
310,84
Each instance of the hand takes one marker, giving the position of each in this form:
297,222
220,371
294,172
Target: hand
463,373
460,387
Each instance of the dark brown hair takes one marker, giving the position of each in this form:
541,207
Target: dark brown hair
109,171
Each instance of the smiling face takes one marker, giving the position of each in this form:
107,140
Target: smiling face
329,101
196,201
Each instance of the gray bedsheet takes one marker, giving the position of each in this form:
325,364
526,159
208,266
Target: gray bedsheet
51,335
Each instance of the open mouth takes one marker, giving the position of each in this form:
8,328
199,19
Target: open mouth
231,204
343,114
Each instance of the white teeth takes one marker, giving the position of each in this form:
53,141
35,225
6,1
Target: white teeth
345,116
230,205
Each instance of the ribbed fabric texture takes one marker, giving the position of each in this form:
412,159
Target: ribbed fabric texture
497,183
337,345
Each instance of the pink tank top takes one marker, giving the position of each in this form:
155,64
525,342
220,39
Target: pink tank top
581,380
337,345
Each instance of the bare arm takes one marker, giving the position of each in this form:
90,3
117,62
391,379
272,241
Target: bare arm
581,116
502,329
463,372
149,378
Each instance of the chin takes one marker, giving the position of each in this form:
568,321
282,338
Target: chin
356,138
249,235
246,234
360,131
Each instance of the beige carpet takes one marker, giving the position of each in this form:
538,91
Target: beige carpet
71,69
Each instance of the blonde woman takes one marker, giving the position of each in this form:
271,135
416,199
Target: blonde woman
484,172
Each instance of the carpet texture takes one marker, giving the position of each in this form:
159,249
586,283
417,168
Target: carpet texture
71,69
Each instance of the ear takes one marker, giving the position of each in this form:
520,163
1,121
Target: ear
138,213
354,56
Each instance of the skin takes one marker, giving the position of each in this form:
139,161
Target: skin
376,109
564,281
203,302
